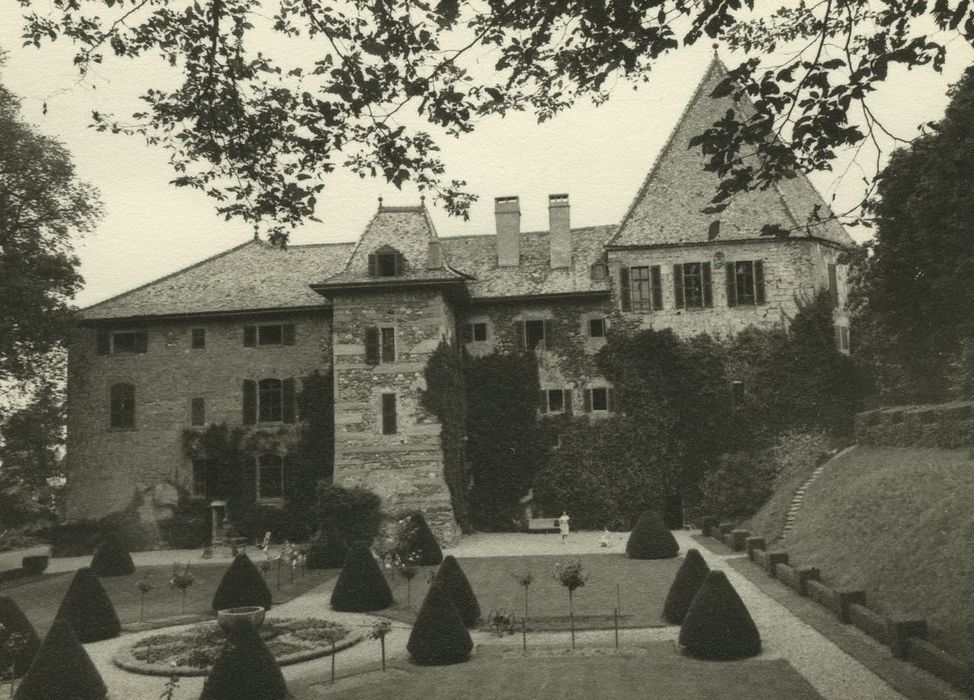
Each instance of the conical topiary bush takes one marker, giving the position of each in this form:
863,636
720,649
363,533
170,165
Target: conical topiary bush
242,585
88,609
61,669
112,559
438,635
456,585
361,587
718,625
418,541
15,622
245,670
650,539
685,585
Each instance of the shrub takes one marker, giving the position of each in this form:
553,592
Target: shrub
245,670
352,515
417,542
438,635
326,553
739,486
14,621
717,624
190,523
112,559
451,577
35,563
242,585
287,523
691,575
88,609
61,669
361,587
74,539
650,539
127,525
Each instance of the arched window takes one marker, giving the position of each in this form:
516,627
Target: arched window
122,406
270,476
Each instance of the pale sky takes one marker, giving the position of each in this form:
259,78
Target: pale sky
599,155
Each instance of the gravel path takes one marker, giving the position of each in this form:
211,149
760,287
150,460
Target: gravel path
832,672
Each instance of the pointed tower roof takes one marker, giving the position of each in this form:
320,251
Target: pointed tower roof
668,208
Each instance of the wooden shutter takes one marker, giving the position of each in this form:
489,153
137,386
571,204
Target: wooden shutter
567,402
142,342
373,265
249,402
679,300
543,401
104,343
625,293
466,332
833,286
519,342
587,400
400,264
708,291
759,295
656,285
288,400
287,334
372,346
250,336
548,334
731,269
610,399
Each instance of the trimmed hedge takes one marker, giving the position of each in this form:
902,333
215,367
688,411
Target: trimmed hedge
651,539
438,635
352,515
948,425
717,624
361,587
417,540
75,539
451,577
88,609
13,618
242,585
112,559
245,670
61,669
326,553
691,575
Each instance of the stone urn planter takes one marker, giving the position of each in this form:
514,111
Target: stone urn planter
233,620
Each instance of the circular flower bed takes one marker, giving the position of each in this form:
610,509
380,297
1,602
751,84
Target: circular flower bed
191,652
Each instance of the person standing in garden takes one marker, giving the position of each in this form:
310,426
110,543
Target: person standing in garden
563,525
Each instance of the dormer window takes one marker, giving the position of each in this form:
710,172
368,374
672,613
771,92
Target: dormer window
386,262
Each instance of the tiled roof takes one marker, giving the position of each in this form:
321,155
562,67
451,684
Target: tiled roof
668,207
477,256
251,276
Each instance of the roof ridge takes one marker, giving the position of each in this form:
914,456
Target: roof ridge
198,263
545,232
319,245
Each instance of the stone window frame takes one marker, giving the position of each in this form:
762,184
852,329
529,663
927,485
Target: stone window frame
108,343
589,399
566,397
683,275
259,468
256,411
746,282
115,410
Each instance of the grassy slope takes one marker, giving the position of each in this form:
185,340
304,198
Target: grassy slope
769,522
899,523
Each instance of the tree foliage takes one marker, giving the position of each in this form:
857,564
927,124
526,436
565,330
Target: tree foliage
913,323
260,129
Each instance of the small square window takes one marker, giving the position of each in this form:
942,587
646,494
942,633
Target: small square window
198,341
386,264
600,399
533,333
475,332
596,328
556,401
270,335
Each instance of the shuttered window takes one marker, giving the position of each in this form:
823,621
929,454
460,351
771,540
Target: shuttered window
692,285
388,344
269,400
270,476
269,335
122,406
372,346
474,332
646,291
389,416
596,328
600,400
130,342
625,290
204,478
745,283
386,262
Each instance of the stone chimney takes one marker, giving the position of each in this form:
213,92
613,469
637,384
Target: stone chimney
559,231
507,213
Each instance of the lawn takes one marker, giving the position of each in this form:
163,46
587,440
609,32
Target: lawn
656,671
40,598
641,587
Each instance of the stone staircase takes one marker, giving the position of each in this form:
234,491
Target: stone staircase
799,497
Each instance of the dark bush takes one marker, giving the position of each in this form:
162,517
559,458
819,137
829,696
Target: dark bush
242,585
245,670
739,486
352,515
127,525
451,577
361,587
189,526
88,609
416,540
718,625
438,635
288,523
36,563
325,553
61,669
650,539
14,621
691,575
75,539
112,559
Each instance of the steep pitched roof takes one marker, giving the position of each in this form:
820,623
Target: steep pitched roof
251,276
667,209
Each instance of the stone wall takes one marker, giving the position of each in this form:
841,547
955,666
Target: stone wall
404,469
106,466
